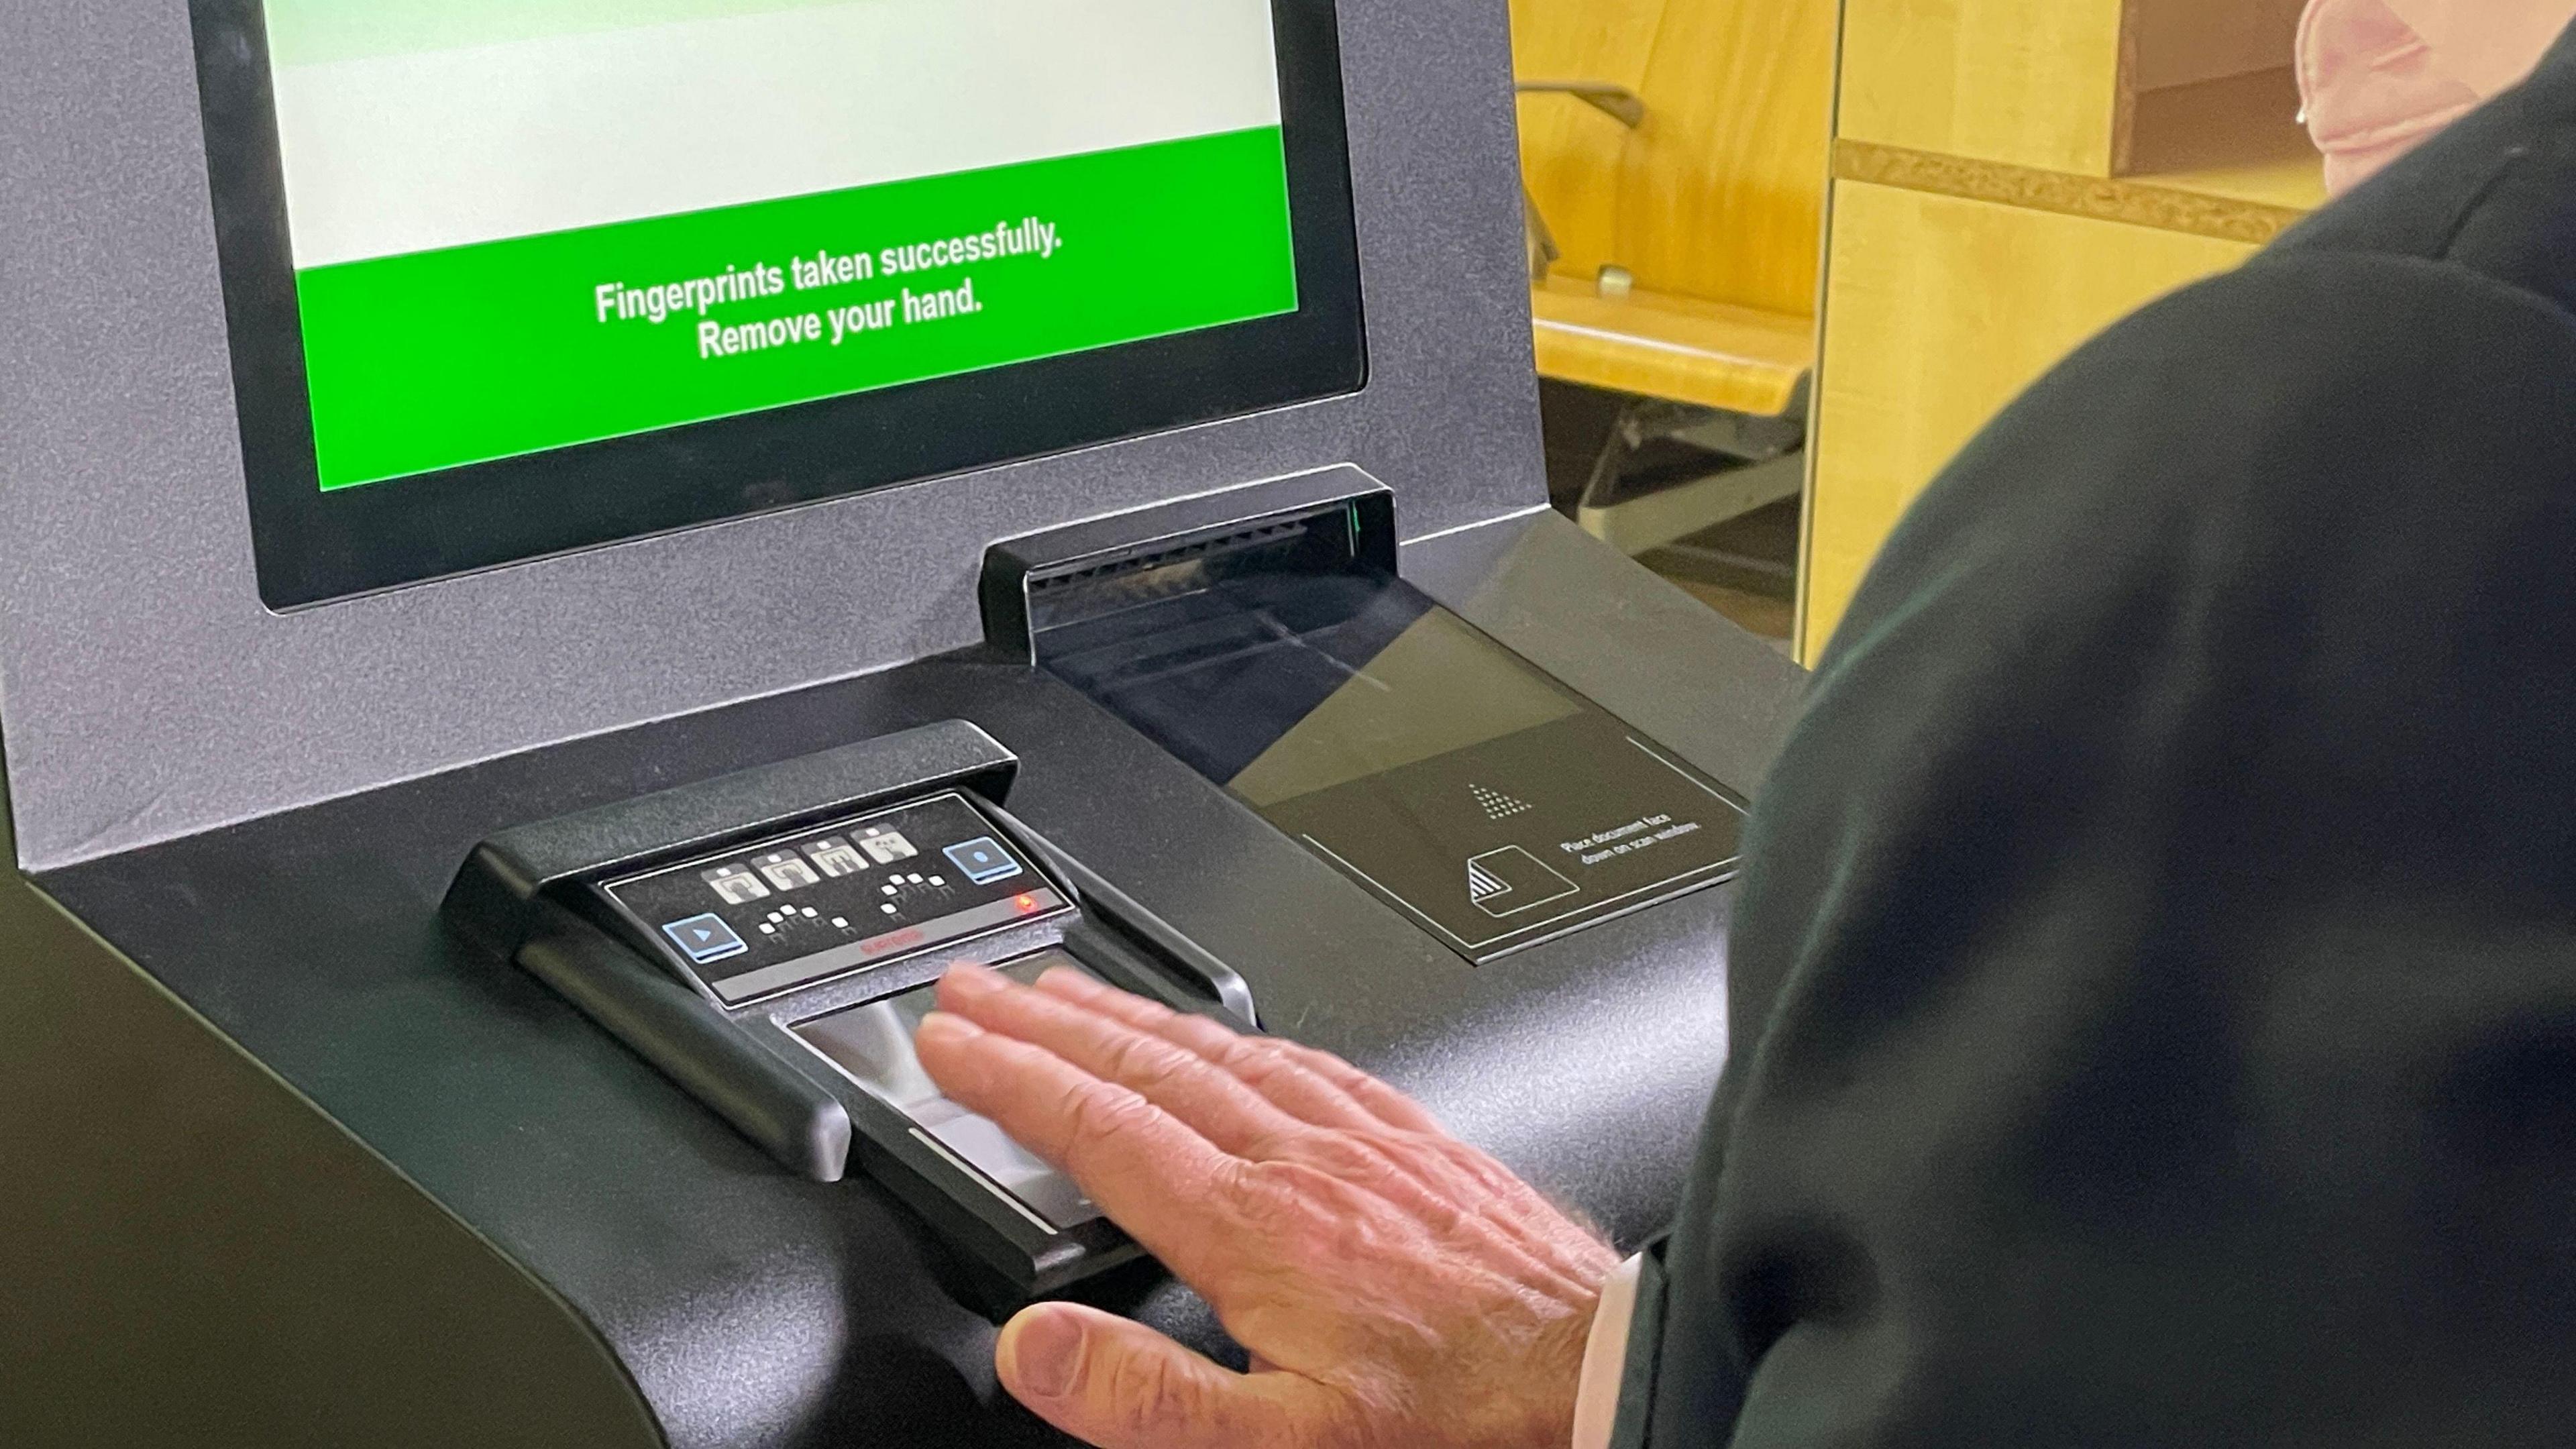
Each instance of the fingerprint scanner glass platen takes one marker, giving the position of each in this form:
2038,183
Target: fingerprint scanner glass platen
872,1045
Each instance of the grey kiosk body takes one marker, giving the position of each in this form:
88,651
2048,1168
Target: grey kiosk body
405,1029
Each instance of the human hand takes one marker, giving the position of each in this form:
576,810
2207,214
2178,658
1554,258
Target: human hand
1394,1286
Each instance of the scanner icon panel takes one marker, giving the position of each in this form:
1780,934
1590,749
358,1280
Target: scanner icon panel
771,916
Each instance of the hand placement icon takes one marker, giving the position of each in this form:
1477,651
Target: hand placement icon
1394,1286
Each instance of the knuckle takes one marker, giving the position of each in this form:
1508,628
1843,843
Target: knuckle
1277,1198
1148,1061
1194,1030
1146,1395
1144,1010
1475,1166
1423,1162
1356,1422
1107,1113
1258,1060
1352,1158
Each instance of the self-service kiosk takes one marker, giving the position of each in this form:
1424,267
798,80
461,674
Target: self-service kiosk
563,560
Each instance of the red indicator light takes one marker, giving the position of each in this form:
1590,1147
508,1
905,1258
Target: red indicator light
1026,903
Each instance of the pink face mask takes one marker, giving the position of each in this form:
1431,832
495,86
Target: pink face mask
2380,76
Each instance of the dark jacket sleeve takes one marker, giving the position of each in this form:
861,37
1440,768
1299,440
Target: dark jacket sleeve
2159,943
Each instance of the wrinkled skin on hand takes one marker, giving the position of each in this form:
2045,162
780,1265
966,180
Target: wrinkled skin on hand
1394,1286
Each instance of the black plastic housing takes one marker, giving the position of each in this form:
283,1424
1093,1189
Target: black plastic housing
494,901
1039,580
313,546
535,894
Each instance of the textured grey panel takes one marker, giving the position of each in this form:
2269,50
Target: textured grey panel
146,694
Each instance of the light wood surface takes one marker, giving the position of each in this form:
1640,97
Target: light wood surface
2013,176
1680,348
1575,158
2134,202
2225,158
1715,205
2033,83
1720,195
2184,42
1939,310
2237,138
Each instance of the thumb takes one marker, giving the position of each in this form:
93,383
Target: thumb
1121,1385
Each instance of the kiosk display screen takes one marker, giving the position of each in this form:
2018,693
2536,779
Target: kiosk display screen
507,277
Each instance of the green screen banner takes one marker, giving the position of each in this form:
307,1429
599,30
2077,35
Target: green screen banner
435,360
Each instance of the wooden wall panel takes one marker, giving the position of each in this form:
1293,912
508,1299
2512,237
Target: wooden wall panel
2027,82
1939,311
2185,42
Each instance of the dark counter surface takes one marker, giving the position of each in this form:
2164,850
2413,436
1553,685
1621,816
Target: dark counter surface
756,1308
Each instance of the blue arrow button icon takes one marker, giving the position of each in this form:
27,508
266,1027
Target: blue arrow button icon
705,938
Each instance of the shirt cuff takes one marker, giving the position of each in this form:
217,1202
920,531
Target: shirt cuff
1605,1358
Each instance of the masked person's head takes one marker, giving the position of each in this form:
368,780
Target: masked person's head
2379,77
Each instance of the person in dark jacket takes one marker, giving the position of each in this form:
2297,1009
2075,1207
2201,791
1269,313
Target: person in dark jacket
2156,968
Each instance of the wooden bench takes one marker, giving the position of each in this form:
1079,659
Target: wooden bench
1713,205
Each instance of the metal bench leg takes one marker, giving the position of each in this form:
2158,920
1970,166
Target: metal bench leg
1755,462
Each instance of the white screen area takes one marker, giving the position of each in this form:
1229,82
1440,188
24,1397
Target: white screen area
479,121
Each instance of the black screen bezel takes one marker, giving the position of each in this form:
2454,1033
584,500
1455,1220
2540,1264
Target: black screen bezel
314,547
